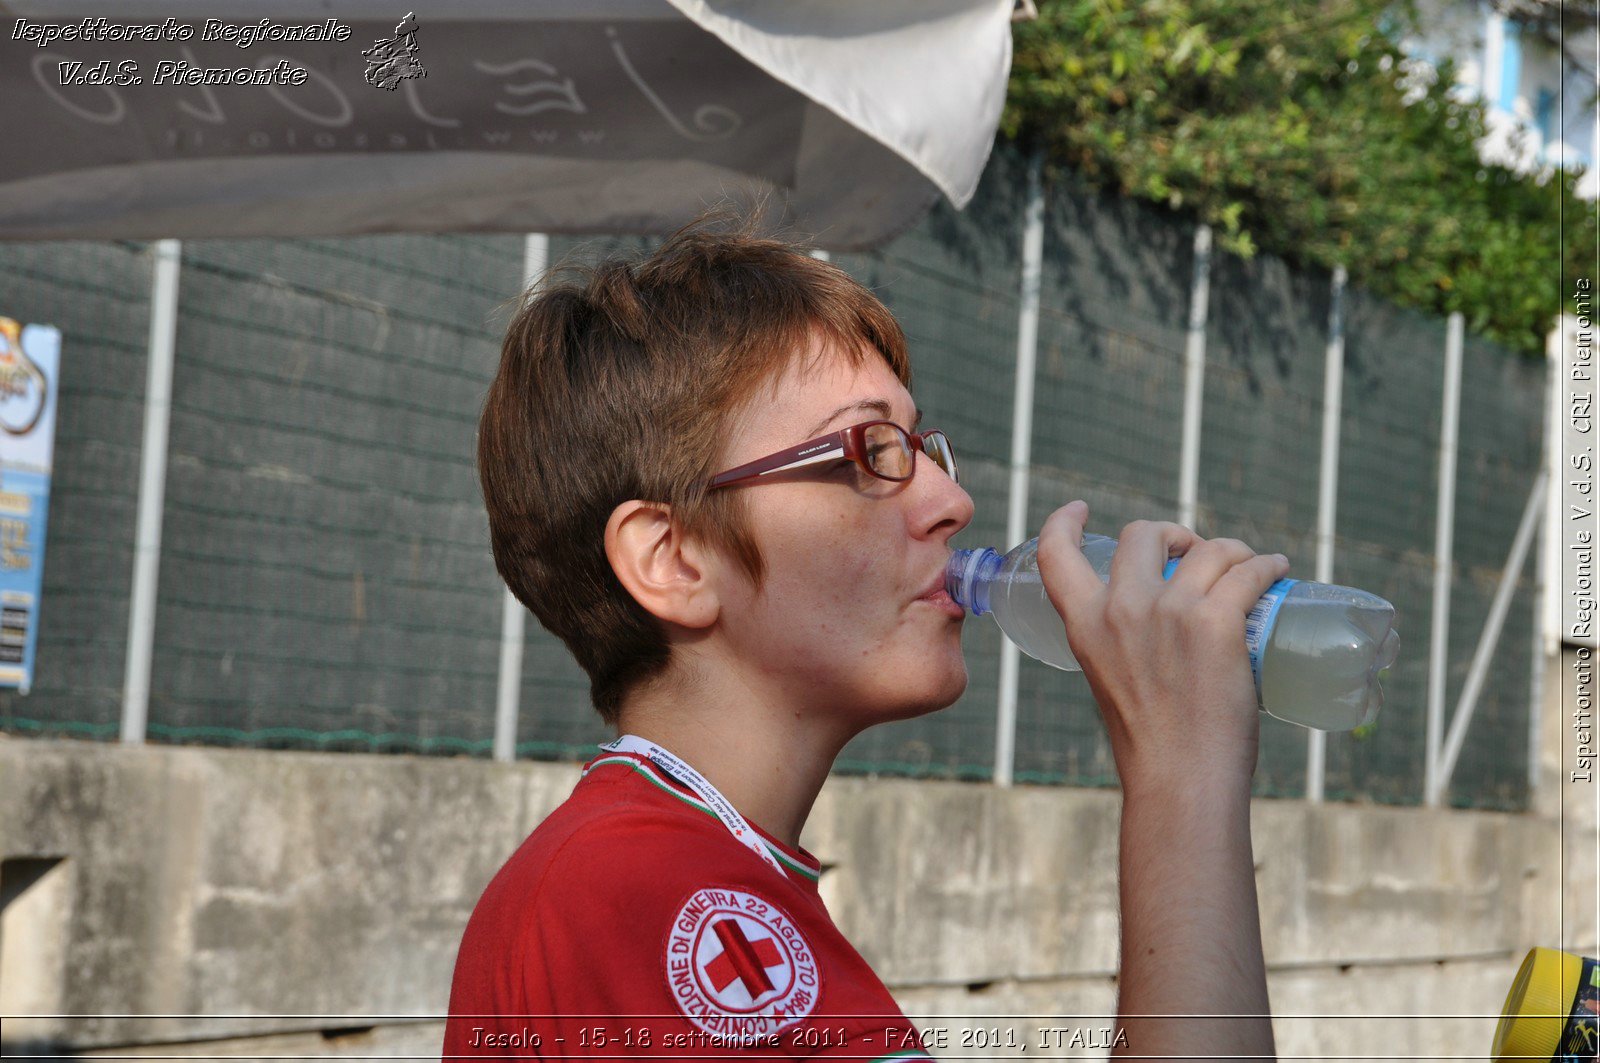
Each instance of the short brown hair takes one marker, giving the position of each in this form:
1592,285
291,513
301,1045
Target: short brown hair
619,381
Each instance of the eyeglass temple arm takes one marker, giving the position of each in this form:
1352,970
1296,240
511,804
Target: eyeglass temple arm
813,452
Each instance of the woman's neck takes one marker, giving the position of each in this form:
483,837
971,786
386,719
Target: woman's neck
769,765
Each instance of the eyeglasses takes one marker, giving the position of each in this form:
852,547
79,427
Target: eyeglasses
881,448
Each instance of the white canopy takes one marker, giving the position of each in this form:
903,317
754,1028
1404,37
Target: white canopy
532,115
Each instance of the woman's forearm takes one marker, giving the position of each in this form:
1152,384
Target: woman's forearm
1191,930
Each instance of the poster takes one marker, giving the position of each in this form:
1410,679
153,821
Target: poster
30,361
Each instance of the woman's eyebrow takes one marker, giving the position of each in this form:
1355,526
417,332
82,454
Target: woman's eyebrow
878,406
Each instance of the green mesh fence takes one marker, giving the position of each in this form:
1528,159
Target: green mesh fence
325,577
99,294
1113,302
953,284
1261,441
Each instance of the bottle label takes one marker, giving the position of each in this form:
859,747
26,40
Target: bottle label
1258,624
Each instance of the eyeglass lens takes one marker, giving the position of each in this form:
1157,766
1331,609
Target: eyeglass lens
888,452
939,450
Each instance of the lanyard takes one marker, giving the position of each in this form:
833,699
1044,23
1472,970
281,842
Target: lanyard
719,805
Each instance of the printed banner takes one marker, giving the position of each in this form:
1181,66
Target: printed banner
617,90
30,363
239,118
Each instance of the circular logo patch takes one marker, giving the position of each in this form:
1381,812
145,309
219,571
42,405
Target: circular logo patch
738,967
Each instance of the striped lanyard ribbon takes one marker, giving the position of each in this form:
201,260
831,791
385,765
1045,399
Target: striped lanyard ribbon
720,806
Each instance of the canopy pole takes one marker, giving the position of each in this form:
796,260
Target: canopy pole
1005,739
513,618
167,260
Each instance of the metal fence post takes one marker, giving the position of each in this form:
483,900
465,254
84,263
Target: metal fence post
1194,359
1488,639
510,682
167,263
1444,527
535,258
1547,601
1328,496
1005,741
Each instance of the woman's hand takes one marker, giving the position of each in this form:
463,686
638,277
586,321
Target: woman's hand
1166,660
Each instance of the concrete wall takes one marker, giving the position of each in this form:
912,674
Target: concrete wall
194,881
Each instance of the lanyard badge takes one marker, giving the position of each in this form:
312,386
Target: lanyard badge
720,806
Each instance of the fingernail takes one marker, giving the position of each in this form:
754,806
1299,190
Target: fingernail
1282,558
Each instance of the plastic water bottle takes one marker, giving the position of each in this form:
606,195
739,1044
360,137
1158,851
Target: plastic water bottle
1316,649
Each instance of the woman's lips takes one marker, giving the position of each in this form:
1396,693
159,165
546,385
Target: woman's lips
941,600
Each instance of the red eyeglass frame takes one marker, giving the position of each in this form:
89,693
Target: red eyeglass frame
845,443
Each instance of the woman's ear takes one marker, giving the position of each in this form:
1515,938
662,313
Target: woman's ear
666,573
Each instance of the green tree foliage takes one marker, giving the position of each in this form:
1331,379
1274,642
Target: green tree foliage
1302,129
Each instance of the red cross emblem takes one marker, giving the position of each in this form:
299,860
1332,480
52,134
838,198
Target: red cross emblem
743,959
738,966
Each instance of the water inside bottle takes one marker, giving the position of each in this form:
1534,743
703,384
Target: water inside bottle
1322,658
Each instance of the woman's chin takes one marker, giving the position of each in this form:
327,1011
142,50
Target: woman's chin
941,693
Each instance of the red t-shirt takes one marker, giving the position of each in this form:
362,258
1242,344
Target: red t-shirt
632,922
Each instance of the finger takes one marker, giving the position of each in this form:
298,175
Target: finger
1065,572
1143,550
1207,561
1244,584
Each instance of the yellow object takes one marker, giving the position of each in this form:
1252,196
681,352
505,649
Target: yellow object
1550,1011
